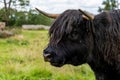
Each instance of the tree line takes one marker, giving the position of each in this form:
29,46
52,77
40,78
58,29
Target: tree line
15,12
18,18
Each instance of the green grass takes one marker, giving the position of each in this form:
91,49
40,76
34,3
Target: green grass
21,59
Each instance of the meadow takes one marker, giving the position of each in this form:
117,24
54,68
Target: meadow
21,59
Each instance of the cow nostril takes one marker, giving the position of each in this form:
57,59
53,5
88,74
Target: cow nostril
47,57
47,53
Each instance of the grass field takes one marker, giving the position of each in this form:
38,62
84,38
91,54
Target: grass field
21,59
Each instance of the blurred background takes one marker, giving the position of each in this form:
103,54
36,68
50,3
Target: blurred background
24,34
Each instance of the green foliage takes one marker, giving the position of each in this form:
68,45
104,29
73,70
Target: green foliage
24,2
18,18
25,62
14,17
9,6
109,5
34,17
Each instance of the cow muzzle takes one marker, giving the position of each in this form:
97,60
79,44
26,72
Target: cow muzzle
48,55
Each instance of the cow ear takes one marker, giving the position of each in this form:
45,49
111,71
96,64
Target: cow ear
87,15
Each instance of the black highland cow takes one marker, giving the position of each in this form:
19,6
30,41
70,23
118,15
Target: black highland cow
76,38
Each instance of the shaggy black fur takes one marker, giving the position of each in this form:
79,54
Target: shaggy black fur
74,40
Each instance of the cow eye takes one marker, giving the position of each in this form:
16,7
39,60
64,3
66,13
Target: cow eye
73,35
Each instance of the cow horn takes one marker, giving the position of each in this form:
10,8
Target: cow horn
48,14
87,15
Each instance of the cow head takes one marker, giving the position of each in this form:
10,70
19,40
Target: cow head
69,39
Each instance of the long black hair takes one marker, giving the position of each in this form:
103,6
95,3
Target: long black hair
64,24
